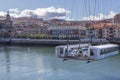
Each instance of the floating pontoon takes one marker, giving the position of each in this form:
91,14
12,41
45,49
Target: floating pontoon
86,51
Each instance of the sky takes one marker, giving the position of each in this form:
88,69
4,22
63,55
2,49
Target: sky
61,9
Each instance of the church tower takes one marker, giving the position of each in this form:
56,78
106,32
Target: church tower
8,16
8,22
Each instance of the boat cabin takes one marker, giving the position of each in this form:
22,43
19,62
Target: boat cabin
102,51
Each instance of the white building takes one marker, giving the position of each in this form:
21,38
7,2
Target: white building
107,30
67,31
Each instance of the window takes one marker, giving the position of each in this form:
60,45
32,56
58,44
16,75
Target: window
92,52
61,50
108,50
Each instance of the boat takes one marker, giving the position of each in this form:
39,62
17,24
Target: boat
87,51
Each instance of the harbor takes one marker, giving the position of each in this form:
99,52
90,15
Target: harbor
60,40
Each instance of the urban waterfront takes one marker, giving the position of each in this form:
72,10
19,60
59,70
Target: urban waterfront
40,63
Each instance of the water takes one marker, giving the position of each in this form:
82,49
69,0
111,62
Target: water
40,63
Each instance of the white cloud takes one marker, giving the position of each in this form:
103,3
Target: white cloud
16,10
101,16
45,13
2,13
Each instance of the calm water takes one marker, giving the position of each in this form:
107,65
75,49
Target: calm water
40,63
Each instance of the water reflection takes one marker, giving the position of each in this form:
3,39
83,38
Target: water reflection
7,57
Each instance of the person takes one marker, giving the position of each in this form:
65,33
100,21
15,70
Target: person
88,61
64,59
79,52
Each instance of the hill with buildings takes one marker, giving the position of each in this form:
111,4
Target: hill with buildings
32,27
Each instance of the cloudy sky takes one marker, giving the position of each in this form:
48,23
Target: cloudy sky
62,9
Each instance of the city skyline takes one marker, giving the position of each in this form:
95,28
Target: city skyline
63,9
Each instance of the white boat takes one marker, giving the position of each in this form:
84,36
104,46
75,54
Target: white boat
87,52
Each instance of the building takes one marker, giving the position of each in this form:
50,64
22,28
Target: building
117,18
107,30
63,32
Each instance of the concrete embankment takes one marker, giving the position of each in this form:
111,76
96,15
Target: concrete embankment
36,42
48,42
40,42
5,41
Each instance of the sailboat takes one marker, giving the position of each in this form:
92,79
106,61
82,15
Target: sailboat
87,51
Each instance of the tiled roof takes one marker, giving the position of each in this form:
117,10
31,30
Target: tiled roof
105,25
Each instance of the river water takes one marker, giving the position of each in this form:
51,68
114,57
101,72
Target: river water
40,63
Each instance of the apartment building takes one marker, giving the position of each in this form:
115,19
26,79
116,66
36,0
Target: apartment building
73,32
107,30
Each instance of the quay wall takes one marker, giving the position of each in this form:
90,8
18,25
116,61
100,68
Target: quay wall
5,41
48,42
36,42
41,42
